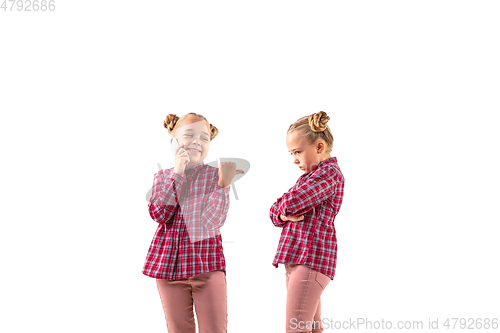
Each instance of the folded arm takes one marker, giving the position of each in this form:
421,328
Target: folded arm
274,214
302,198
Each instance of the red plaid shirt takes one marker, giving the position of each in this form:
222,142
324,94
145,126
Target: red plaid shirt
312,241
189,210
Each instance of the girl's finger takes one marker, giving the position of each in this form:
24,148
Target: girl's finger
180,147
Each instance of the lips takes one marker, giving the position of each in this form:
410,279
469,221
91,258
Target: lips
194,150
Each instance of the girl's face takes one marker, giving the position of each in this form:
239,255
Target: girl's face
194,133
305,154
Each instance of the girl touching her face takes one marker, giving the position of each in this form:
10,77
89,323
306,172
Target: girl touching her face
190,202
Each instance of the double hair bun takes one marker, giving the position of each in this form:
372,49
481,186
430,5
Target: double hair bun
172,119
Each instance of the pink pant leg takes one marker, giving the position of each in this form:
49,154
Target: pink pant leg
210,301
303,307
317,318
177,304
206,291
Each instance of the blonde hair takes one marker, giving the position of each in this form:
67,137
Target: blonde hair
171,120
314,127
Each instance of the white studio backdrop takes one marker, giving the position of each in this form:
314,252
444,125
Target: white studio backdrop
412,92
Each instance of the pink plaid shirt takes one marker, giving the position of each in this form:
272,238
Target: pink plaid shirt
312,241
189,210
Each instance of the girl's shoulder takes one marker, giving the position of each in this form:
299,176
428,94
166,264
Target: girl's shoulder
164,173
210,170
330,166
205,169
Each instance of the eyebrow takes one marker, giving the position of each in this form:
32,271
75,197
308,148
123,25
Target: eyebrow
293,149
190,130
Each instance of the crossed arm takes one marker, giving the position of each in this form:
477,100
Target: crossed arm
300,199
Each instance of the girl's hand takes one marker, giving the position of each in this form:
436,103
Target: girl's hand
227,171
181,160
291,218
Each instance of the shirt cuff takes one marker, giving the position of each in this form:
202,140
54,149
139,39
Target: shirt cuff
224,189
178,179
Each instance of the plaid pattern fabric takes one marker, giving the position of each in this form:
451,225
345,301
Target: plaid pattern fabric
312,242
189,210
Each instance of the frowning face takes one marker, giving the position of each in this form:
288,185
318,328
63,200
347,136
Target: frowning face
194,133
305,155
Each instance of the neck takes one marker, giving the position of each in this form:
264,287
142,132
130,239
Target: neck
324,157
189,165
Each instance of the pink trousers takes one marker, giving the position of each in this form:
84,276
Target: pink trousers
207,292
303,305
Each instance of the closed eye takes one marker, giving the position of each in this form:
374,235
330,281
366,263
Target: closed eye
191,135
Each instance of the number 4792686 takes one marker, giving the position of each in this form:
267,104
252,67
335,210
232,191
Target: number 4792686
471,323
28,5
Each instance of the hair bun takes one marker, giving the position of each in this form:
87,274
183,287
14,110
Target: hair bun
318,120
213,132
170,121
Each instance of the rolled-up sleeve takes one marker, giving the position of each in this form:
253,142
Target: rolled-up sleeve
164,198
215,212
274,214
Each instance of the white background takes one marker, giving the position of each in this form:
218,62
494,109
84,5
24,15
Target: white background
412,90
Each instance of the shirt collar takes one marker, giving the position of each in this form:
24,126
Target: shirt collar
197,167
332,159
328,160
